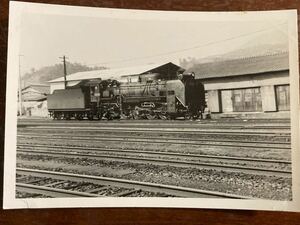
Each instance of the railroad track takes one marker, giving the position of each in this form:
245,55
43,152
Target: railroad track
162,162
154,140
104,183
272,133
151,125
151,153
200,139
220,123
163,125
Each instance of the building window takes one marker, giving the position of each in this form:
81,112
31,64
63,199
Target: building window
283,97
246,100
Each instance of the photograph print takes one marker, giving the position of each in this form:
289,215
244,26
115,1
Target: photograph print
129,108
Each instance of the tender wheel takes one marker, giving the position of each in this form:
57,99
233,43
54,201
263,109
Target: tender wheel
58,116
67,116
90,116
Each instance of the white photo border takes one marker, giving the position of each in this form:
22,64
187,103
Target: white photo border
17,9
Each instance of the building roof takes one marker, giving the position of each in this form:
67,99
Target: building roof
40,88
114,74
34,98
242,66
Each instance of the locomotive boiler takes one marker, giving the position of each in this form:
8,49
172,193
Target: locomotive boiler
145,99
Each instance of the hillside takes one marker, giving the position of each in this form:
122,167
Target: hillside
44,74
192,64
267,44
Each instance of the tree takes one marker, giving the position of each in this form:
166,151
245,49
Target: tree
47,73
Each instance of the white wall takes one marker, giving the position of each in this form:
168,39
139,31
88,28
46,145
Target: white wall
226,98
268,98
213,101
36,109
61,85
56,86
219,94
247,81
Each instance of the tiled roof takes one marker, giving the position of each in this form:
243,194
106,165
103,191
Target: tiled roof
34,98
242,66
41,88
115,74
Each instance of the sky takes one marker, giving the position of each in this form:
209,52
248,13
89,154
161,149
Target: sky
127,42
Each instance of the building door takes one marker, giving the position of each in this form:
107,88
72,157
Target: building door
246,100
226,101
283,97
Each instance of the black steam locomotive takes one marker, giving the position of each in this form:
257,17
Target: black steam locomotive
145,99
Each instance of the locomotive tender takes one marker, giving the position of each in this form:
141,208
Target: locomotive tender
145,99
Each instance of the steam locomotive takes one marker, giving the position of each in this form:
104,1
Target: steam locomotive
144,99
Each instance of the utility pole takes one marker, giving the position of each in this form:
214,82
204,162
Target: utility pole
65,70
20,88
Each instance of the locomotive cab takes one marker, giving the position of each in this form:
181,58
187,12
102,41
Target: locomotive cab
175,98
194,95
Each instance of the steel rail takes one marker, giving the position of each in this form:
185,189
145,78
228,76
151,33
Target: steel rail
53,192
159,153
151,187
164,162
151,125
145,140
184,123
172,130
159,137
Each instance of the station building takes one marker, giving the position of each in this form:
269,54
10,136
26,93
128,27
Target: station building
34,100
247,87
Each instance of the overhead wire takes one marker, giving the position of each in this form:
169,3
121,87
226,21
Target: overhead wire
184,49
